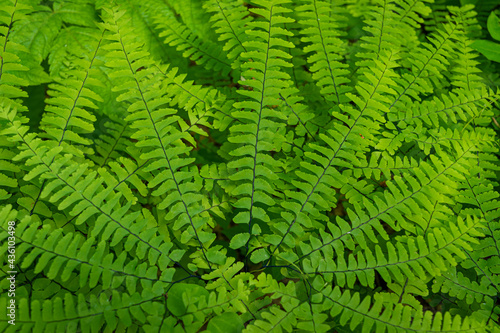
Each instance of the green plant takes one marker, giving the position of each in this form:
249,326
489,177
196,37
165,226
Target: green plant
488,48
283,171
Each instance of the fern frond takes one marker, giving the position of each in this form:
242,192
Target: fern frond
59,256
10,61
390,206
66,187
7,175
380,165
66,117
205,53
428,61
142,15
322,35
158,137
299,72
464,70
259,131
300,115
460,108
389,24
438,16
71,42
319,175
200,304
456,284
293,315
415,258
193,15
117,310
127,177
8,150
405,293
460,105
113,142
200,102
411,12
376,316
229,20
484,259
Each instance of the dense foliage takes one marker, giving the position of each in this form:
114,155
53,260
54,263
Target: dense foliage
249,166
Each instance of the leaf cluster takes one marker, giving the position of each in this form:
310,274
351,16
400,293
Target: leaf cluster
249,166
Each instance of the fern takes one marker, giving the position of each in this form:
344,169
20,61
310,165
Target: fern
247,166
178,35
326,47
10,61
